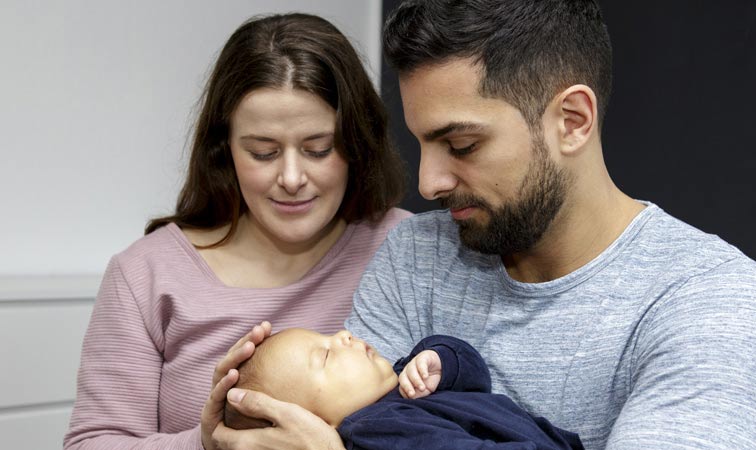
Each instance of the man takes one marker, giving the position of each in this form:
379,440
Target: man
600,312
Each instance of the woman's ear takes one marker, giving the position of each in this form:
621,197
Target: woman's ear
576,112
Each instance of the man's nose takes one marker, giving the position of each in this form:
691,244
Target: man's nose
436,179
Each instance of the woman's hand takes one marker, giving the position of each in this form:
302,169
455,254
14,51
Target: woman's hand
420,376
224,378
293,426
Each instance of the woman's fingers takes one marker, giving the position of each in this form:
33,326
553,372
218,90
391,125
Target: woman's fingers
295,427
242,350
212,412
233,358
216,401
257,334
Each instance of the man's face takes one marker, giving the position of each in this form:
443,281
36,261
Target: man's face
480,158
331,376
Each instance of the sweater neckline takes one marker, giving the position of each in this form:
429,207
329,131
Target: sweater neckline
585,272
330,256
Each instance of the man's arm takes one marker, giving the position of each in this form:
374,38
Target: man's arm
694,370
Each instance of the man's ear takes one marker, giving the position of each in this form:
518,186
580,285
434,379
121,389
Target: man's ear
576,112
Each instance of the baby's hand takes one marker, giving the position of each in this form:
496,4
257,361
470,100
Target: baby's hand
420,376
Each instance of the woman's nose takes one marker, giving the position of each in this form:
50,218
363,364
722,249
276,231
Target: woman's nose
292,176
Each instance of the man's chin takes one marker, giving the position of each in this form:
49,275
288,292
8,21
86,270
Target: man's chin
472,234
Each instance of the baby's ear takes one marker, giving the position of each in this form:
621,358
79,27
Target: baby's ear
234,419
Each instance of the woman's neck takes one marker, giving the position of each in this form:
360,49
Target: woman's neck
253,258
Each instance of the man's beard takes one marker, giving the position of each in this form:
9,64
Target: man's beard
518,225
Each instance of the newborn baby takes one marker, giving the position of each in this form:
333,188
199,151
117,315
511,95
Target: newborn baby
436,397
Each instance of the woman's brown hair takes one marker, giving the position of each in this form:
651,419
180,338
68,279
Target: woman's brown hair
300,51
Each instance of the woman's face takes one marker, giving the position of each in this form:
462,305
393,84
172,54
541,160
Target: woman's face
291,176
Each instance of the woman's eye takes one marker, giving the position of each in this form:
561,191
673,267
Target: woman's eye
262,156
320,153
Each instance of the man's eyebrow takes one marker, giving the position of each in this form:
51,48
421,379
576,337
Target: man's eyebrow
257,137
453,127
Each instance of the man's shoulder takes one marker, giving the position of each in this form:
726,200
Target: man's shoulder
432,238
667,241
692,274
435,226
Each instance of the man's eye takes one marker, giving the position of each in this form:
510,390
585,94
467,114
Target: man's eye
462,151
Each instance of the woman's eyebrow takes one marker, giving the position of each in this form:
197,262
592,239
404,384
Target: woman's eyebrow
260,138
255,137
317,136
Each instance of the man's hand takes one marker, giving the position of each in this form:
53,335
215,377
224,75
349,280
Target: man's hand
293,426
420,376
224,378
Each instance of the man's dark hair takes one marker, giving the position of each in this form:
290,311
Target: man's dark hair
529,50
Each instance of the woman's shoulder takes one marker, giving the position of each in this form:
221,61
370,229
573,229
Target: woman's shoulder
361,239
378,229
165,245
392,217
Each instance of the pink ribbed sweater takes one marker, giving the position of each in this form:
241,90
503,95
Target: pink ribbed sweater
162,320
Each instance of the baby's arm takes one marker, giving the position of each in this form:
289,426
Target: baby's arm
421,375
459,367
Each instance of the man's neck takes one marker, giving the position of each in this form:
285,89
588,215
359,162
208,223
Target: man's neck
580,232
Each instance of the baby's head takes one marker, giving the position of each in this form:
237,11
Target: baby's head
331,376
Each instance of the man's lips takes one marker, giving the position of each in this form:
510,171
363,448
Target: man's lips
462,213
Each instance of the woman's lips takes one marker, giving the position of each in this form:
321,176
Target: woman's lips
287,207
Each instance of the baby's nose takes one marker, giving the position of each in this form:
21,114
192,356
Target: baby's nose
345,337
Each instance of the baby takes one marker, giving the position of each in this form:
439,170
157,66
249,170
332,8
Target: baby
349,385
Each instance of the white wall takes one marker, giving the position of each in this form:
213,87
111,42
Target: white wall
97,100
96,104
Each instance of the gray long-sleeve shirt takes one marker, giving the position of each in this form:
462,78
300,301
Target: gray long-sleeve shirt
650,345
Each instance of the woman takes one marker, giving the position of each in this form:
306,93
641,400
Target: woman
291,188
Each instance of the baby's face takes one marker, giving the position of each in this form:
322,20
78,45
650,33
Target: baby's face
332,376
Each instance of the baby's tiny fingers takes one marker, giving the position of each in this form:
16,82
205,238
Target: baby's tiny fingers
405,386
423,368
415,378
